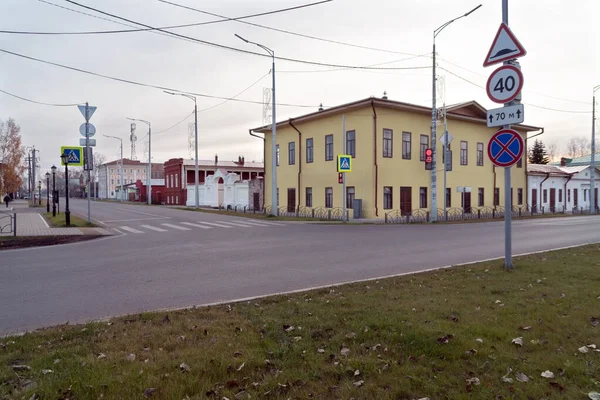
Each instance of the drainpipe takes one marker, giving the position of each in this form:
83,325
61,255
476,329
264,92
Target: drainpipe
565,198
264,169
541,183
375,155
299,158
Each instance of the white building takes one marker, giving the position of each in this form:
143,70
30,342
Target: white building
559,188
109,176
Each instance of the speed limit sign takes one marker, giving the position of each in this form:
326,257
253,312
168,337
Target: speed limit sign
505,84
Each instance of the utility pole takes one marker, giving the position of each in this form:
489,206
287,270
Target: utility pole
593,199
33,162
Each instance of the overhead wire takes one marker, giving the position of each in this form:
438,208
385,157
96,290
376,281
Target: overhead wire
150,29
177,124
39,102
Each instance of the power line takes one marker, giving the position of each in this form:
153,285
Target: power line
177,35
289,32
168,129
145,84
39,102
151,29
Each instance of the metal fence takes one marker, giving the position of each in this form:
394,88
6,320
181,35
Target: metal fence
8,222
318,213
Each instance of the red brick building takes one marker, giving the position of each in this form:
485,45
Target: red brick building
179,174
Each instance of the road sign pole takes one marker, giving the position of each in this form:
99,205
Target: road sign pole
87,152
344,205
507,182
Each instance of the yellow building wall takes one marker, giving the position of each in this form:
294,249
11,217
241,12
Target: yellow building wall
394,172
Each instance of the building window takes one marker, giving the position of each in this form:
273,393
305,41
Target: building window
387,143
496,196
575,197
423,146
350,193
291,153
112,181
520,196
176,199
329,197
479,154
308,197
520,163
464,146
176,180
545,193
277,155
138,170
568,195
112,171
480,197
406,145
309,150
448,197
388,200
351,143
131,171
560,195
328,147
584,194
423,197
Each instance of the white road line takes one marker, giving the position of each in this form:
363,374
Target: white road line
197,225
235,224
264,223
134,219
181,228
128,229
45,223
140,212
153,228
213,224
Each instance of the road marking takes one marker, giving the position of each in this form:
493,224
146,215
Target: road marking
213,224
235,224
135,219
197,225
140,212
153,228
45,223
128,229
181,228
261,223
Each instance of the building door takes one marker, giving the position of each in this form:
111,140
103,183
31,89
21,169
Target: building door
256,201
534,200
466,202
552,200
575,198
291,200
405,200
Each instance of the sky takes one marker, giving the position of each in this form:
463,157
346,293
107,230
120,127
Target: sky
560,69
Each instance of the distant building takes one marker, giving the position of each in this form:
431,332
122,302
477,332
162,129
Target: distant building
577,161
180,174
109,177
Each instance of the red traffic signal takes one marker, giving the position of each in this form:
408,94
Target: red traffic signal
428,155
340,177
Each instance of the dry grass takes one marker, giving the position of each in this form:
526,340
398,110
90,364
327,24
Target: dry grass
442,335
59,221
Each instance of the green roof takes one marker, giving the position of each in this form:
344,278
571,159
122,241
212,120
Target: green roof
577,161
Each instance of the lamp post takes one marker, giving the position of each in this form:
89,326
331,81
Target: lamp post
197,189
53,190
65,160
149,177
122,182
434,127
39,193
593,156
274,208
47,192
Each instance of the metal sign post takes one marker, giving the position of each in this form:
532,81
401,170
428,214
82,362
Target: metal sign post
504,85
90,131
344,205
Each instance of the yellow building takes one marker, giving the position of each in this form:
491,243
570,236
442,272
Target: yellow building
387,140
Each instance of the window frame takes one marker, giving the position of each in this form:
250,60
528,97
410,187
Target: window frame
520,196
351,143
388,198
423,146
497,197
480,154
464,153
350,196
328,148
423,197
480,197
387,148
406,145
308,196
448,197
328,197
291,153
310,150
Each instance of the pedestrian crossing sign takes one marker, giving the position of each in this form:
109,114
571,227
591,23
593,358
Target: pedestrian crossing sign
344,163
74,155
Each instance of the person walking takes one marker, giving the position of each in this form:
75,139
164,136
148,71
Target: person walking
6,200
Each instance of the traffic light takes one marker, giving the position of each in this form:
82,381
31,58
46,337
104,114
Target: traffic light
341,177
428,158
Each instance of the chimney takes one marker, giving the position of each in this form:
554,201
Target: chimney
321,107
563,162
216,159
243,159
384,95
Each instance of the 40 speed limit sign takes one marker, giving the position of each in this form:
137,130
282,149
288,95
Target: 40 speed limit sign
505,84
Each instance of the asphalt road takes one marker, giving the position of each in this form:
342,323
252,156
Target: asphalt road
168,266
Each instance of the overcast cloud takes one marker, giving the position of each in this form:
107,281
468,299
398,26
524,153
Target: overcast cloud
560,69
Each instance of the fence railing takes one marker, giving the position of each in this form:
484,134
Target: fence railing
8,222
319,213
466,214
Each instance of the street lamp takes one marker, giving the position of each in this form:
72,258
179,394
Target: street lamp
65,159
39,193
274,209
47,192
53,190
120,140
149,177
593,164
197,202
434,127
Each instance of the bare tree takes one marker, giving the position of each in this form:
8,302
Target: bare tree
99,159
578,146
552,150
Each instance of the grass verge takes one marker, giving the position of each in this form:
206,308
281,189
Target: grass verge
469,332
17,242
59,221
258,215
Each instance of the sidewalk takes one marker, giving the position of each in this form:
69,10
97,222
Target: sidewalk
30,222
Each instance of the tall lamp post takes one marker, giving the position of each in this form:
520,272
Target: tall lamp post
39,193
65,160
47,192
593,156
122,182
53,190
197,189
149,177
274,208
434,125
